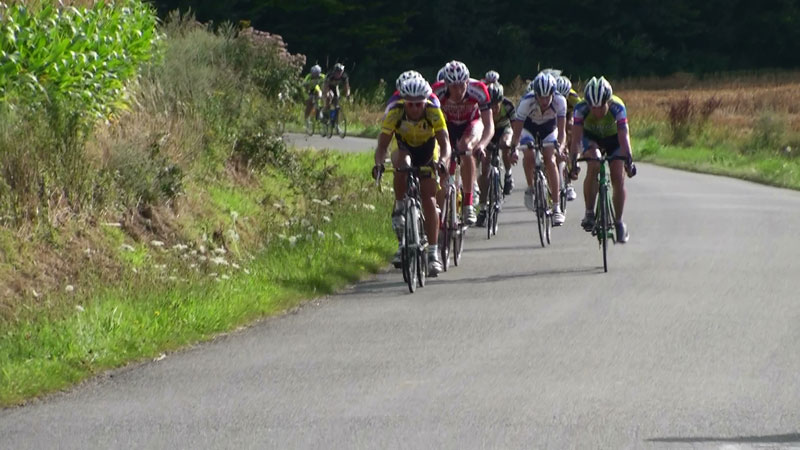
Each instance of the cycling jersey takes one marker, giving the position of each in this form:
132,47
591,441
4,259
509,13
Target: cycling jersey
397,99
605,127
414,133
418,137
572,99
536,120
311,84
332,80
506,114
476,99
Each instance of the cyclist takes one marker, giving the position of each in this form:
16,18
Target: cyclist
601,124
541,113
467,110
421,132
503,111
396,97
330,88
311,84
491,77
564,87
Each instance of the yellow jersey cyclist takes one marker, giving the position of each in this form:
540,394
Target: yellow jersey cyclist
564,87
421,132
601,124
502,112
541,113
312,85
330,87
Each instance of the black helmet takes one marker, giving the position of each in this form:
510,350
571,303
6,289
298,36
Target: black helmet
495,92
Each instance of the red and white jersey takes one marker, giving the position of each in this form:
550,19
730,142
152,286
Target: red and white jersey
469,109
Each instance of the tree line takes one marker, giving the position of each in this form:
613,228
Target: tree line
617,38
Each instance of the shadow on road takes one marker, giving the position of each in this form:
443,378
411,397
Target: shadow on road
769,439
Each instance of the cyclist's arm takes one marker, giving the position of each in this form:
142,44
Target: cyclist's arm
383,145
488,128
624,139
444,143
562,135
516,128
577,139
347,87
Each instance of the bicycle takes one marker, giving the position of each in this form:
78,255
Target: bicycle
314,118
542,200
452,225
336,120
413,242
604,214
494,195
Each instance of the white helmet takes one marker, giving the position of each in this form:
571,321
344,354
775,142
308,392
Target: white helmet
407,75
543,85
563,85
440,74
597,91
338,67
414,88
491,77
316,69
456,72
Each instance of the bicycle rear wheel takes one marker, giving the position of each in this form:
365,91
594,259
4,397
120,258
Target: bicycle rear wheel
498,189
539,206
341,124
422,253
410,257
490,211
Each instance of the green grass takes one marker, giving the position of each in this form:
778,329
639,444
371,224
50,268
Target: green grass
760,166
147,314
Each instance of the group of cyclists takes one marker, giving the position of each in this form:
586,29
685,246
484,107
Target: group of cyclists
456,118
320,86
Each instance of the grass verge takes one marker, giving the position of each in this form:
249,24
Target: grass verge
759,166
141,317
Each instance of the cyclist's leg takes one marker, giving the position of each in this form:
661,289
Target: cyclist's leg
549,144
398,160
468,141
617,169
424,156
528,156
309,105
590,186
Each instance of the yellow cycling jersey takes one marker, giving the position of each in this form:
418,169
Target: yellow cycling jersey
572,99
414,133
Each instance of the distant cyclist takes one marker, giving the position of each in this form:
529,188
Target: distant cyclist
421,133
601,124
503,111
467,109
312,86
335,78
491,77
541,113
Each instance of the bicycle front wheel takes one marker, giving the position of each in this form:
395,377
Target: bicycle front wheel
410,256
422,252
604,223
446,229
539,207
458,234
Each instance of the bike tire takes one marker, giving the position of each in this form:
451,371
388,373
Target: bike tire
548,223
412,243
446,228
458,234
603,235
341,120
538,206
422,253
490,207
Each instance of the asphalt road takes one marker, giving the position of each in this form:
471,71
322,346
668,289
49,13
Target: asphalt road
690,341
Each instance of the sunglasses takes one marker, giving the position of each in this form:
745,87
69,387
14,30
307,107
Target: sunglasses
416,104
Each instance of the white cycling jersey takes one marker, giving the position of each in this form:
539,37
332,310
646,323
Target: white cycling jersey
540,123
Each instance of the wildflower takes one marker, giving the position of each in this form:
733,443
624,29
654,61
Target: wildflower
247,271
219,261
338,236
305,222
127,248
320,234
180,247
368,206
155,243
235,266
225,276
220,250
234,215
292,240
326,219
232,235
69,288
79,308
335,198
